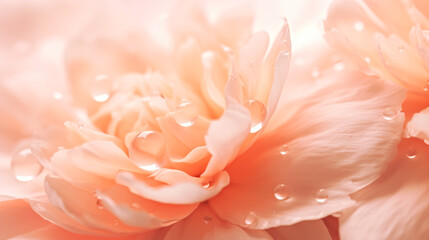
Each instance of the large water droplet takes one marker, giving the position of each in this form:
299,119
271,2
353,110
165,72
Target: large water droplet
206,184
147,149
250,219
186,114
26,164
322,196
411,152
391,113
284,149
359,26
99,203
281,192
258,114
207,219
101,88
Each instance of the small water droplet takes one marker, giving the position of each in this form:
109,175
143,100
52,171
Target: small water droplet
81,125
285,53
391,113
206,184
339,66
284,149
186,114
281,192
25,164
367,59
250,219
401,48
115,222
135,205
101,87
207,219
258,114
99,203
315,73
411,153
57,95
359,26
226,49
147,149
322,196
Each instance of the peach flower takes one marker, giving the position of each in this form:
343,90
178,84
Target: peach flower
392,37
193,132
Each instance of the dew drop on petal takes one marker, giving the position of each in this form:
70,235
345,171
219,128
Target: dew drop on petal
146,150
281,192
322,196
250,219
207,219
284,149
186,114
206,185
101,87
99,203
411,152
391,113
359,26
401,48
258,114
25,164
367,59
81,125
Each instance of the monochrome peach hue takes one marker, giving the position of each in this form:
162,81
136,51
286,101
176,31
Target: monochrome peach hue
199,129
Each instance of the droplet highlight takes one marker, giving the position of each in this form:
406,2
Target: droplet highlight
57,95
147,150
281,192
411,153
258,113
391,113
207,219
284,149
101,88
186,114
99,203
206,185
135,205
359,26
25,164
250,219
322,196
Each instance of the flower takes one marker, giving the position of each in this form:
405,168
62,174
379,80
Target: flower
197,137
394,44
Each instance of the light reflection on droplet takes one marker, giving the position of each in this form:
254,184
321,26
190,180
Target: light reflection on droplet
322,196
401,48
284,149
250,219
186,114
411,152
281,192
359,26
339,66
57,95
258,114
99,203
25,164
81,125
101,88
391,113
207,219
147,149
206,184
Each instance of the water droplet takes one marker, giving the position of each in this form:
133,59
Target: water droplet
81,125
339,66
99,203
367,59
285,53
322,196
284,149
250,219
25,164
57,95
206,185
147,149
207,219
315,73
186,114
411,153
115,222
258,113
391,113
226,49
135,205
101,87
359,26
401,48
281,192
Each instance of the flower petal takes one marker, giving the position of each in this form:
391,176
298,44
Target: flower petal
323,146
395,206
307,230
419,125
203,224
